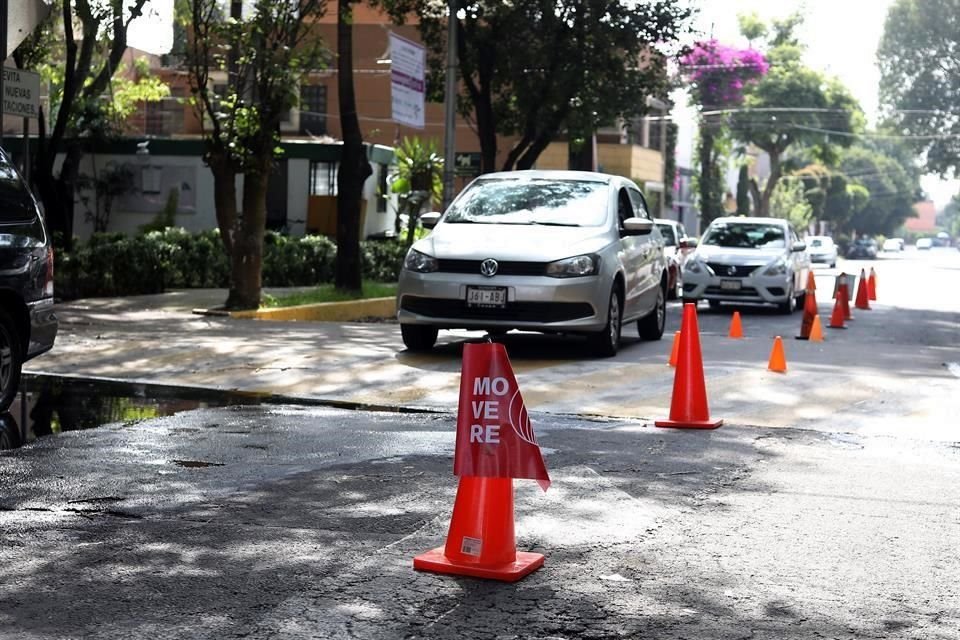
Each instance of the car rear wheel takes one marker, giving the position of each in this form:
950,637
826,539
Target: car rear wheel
11,360
650,327
418,337
605,342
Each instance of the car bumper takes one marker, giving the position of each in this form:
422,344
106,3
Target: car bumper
827,258
536,303
756,288
43,327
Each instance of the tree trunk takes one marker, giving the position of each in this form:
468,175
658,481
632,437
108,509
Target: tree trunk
224,199
354,165
710,204
247,262
775,172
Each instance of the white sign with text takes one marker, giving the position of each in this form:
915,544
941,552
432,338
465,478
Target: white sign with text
408,61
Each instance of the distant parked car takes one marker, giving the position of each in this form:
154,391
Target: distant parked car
863,248
893,244
742,259
28,325
550,251
822,249
677,245
924,243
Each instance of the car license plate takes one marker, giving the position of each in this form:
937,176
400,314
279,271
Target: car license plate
730,285
486,296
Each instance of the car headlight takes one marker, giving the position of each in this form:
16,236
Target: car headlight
694,265
574,267
776,268
419,262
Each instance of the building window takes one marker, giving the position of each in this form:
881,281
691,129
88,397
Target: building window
323,178
313,109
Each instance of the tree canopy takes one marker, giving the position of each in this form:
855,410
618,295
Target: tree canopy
919,61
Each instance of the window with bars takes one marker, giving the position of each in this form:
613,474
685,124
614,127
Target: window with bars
323,178
313,109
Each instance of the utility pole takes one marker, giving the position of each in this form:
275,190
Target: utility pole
450,105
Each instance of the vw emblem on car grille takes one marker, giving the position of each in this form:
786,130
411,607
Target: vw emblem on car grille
731,271
489,267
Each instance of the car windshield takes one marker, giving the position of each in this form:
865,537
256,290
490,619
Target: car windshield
669,237
568,203
746,235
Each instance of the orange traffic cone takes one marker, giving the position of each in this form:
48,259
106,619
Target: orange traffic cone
816,331
811,282
863,298
809,309
688,407
843,296
872,285
675,349
481,541
736,329
836,318
778,361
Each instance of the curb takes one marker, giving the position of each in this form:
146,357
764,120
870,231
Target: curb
324,311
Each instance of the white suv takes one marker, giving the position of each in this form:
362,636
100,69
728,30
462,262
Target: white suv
755,260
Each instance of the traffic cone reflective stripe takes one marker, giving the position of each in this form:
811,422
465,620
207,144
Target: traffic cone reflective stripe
863,301
688,406
872,285
816,331
675,349
736,329
778,361
481,540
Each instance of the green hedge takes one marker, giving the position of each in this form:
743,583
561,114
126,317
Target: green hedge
113,264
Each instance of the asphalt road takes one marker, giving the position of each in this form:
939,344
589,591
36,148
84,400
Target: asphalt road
827,506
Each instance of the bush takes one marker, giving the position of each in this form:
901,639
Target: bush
112,264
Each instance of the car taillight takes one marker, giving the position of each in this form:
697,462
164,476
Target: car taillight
48,284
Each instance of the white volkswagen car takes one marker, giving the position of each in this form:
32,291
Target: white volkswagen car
756,260
548,251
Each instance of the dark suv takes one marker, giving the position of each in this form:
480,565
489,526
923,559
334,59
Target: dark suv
28,325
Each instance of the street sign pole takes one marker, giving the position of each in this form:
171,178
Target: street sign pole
450,99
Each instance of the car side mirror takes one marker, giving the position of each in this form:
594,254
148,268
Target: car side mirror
799,246
689,243
637,226
430,220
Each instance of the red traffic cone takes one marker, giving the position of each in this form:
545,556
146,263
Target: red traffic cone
863,301
688,407
836,318
809,309
872,285
481,541
675,349
843,296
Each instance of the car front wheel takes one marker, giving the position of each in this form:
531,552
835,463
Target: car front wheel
418,337
11,360
650,327
605,342
791,303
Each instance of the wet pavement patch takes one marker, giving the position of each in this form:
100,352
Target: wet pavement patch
48,405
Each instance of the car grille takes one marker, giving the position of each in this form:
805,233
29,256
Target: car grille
514,311
505,268
745,292
723,270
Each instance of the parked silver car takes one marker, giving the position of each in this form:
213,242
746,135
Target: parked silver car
822,249
549,251
756,260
